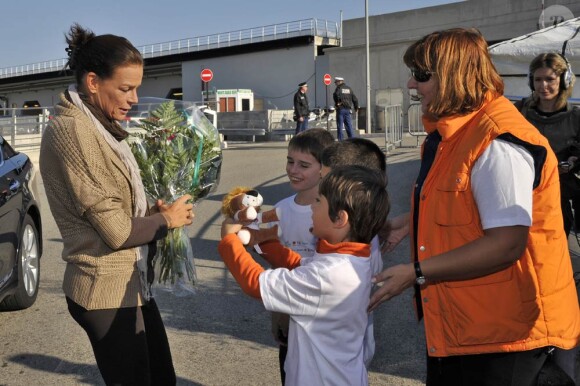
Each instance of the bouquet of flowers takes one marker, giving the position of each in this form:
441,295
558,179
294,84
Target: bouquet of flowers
178,152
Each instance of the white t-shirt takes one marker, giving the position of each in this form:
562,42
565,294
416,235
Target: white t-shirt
326,299
295,225
502,184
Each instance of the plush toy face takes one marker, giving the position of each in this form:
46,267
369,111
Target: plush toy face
243,205
252,198
232,202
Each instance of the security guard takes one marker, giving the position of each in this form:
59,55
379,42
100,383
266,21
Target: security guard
301,109
344,101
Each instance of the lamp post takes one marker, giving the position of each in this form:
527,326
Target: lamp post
368,71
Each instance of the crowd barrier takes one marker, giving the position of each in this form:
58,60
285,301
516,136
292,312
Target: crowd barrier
23,128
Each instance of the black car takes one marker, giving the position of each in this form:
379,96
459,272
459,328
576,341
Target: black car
20,230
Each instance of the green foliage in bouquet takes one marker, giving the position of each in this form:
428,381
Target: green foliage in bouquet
178,152
175,156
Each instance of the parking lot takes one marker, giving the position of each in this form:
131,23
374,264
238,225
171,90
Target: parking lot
218,336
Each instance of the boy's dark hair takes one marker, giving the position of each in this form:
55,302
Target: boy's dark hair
312,141
354,151
362,193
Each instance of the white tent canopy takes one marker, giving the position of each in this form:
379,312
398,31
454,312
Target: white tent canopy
512,57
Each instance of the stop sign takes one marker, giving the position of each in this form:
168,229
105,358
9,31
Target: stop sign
327,79
206,75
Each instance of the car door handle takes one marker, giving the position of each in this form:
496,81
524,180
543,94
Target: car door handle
14,185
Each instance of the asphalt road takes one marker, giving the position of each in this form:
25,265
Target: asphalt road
219,336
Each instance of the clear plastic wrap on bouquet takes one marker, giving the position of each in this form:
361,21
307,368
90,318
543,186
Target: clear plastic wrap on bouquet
178,152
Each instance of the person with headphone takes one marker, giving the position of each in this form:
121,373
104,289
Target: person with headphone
551,80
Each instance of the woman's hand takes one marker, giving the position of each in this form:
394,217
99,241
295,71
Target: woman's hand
179,213
565,166
572,161
394,231
394,280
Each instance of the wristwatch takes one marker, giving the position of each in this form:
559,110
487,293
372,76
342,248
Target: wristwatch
420,279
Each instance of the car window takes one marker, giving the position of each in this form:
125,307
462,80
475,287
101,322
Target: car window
7,151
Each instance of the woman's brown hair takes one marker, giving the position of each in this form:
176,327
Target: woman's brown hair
101,54
559,65
462,67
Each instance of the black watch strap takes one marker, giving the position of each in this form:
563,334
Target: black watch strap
418,272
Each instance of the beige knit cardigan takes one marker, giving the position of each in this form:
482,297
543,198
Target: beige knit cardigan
89,192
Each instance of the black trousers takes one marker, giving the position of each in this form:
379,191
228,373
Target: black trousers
130,344
282,353
526,368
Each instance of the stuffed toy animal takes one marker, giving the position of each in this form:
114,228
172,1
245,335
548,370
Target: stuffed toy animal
243,204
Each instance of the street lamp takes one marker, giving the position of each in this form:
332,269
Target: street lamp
368,71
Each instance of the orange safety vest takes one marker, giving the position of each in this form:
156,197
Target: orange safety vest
531,304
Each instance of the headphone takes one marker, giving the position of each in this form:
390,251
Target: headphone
565,77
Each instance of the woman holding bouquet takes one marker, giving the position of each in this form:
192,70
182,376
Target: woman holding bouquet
96,196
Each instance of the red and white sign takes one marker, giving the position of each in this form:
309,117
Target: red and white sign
327,79
206,75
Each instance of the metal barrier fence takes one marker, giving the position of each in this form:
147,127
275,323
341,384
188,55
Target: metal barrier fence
415,120
393,117
21,129
307,27
414,115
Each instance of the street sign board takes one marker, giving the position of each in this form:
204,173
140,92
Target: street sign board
327,79
206,75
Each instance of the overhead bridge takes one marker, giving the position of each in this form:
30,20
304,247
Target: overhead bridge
318,28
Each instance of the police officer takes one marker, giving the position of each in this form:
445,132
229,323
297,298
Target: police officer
301,109
344,101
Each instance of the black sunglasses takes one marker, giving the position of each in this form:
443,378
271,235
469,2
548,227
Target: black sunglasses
420,75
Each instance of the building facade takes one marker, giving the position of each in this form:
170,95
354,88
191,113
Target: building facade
391,34
271,61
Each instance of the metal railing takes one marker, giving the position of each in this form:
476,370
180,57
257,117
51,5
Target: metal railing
307,27
22,130
393,118
415,120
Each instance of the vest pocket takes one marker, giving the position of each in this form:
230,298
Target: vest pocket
453,188
488,310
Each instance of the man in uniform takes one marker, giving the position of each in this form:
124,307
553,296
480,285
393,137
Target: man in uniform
301,109
344,101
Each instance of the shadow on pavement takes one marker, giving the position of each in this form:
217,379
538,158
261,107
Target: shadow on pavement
85,374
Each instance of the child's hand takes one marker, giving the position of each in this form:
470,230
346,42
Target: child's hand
229,226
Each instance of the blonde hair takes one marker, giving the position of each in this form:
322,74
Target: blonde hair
559,65
460,62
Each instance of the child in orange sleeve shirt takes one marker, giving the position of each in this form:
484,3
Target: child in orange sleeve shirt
327,295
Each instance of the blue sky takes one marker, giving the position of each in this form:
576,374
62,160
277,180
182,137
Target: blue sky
33,31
